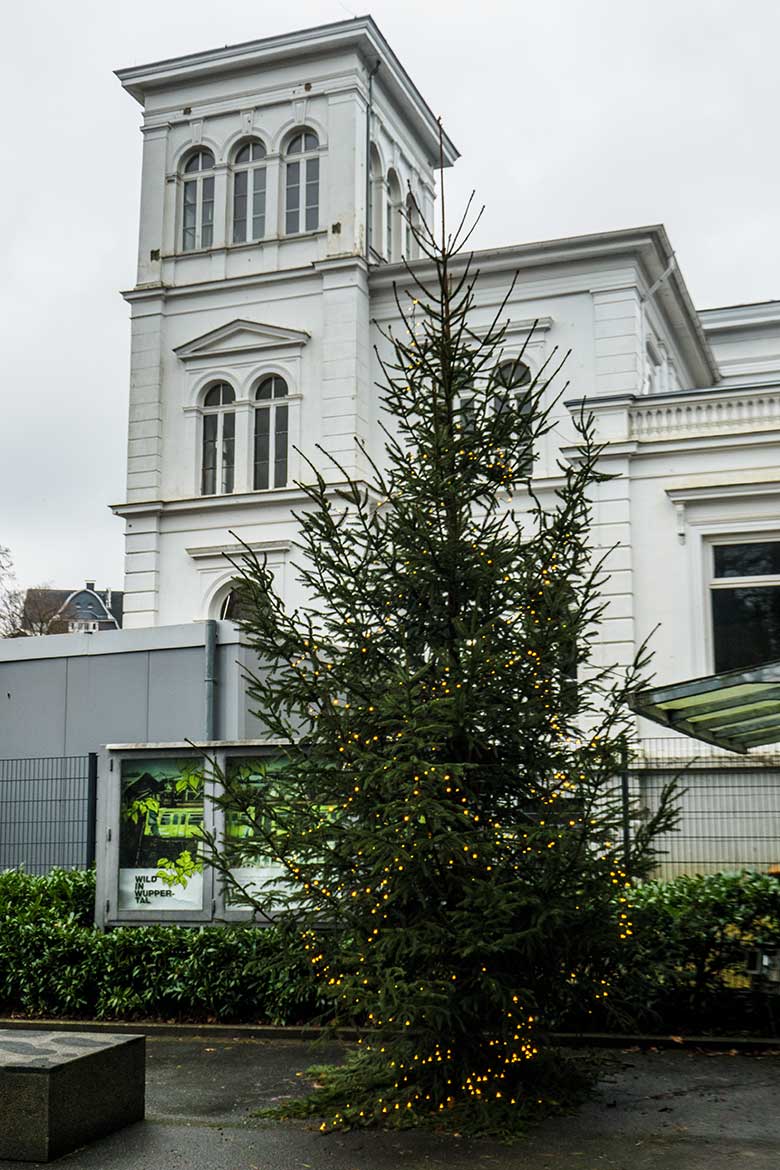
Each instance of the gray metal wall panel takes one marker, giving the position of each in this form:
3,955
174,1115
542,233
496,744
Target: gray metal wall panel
176,696
73,703
32,708
230,693
253,728
107,701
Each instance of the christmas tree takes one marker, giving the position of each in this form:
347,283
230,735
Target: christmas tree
445,822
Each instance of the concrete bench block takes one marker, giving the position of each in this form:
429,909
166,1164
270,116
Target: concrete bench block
60,1090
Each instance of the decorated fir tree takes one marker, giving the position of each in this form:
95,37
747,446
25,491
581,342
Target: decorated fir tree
444,823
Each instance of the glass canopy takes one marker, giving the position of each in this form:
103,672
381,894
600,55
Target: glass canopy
735,710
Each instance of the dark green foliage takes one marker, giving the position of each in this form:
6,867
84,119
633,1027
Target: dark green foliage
448,807
684,969
60,895
52,963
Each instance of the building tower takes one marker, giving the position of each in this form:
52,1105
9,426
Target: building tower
274,177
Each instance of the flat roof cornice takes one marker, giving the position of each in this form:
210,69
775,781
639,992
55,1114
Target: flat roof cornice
760,315
361,34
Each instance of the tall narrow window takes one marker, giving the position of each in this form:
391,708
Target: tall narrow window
249,181
409,222
271,430
302,193
745,596
393,224
219,441
198,201
515,377
375,188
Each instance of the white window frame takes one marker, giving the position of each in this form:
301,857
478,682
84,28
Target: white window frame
302,160
253,170
713,583
219,466
204,231
515,360
270,406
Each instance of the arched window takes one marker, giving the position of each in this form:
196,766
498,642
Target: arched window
375,186
302,202
232,607
198,201
271,429
219,440
393,223
512,374
249,193
228,609
512,379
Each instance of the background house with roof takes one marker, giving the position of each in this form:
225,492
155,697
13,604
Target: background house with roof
71,611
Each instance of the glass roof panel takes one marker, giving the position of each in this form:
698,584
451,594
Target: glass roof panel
733,710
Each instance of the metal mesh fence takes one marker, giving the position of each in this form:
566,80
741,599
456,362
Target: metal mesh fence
729,805
730,808
47,812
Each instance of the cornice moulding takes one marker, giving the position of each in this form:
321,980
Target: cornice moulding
360,34
204,552
335,84
673,397
145,292
666,445
721,491
276,496
735,317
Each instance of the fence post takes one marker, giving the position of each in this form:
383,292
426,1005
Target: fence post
92,775
626,810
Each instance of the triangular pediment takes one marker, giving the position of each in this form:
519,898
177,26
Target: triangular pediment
241,336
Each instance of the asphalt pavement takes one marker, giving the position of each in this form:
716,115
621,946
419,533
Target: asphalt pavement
665,1110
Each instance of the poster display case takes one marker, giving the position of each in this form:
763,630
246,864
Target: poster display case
253,876
154,803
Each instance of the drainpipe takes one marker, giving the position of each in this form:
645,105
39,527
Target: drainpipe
667,272
210,679
369,109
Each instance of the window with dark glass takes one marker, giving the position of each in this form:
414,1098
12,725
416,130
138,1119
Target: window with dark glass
745,600
393,222
511,380
271,433
302,184
249,186
409,222
198,201
219,438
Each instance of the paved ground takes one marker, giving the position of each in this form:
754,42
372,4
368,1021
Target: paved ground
655,1111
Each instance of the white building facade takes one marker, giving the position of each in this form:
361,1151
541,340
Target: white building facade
275,175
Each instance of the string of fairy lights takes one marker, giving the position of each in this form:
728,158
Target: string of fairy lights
408,809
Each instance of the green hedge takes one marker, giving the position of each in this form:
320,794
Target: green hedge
683,967
54,963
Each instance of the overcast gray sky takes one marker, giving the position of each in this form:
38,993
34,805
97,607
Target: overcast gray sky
572,116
